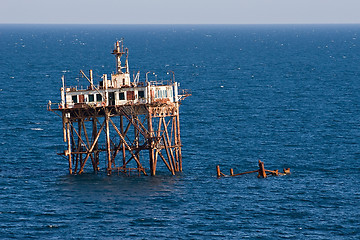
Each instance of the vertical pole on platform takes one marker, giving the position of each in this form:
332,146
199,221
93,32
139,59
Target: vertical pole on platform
262,172
64,119
218,171
108,150
136,138
69,144
91,79
178,135
151,143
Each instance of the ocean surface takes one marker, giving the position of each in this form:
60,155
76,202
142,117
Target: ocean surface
288,95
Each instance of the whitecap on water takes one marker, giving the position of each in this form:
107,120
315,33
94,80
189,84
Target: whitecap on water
37,129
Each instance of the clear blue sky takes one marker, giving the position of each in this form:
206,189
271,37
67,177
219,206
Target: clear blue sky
179,11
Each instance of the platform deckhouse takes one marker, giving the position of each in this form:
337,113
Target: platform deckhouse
119,89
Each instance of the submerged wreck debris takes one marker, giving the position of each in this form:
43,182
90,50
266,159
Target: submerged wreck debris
261,172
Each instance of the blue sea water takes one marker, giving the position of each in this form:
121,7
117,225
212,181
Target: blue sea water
286,94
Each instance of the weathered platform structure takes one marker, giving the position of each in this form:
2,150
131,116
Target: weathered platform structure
127,123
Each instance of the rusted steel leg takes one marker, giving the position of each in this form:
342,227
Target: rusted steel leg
108,144
178,136
152,162
151,145
136,136
156,159
69,145
262,172
218,173
64,125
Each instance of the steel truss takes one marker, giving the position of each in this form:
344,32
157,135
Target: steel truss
123,134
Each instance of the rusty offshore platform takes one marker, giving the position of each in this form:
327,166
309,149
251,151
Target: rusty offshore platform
127,123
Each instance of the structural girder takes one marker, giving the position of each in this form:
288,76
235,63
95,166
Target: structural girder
122,134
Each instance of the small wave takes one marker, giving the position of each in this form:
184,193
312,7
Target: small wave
52,226
37,129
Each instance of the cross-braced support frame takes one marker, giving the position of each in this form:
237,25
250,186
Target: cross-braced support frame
121,135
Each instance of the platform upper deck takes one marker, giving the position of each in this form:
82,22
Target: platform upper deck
120,89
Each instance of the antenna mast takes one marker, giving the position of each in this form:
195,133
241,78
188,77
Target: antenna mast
118,52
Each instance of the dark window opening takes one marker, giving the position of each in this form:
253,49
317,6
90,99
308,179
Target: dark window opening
74,98
91,97
141,94
98,98
111,98
122,96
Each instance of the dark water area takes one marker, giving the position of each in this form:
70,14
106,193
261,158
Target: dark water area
286,94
